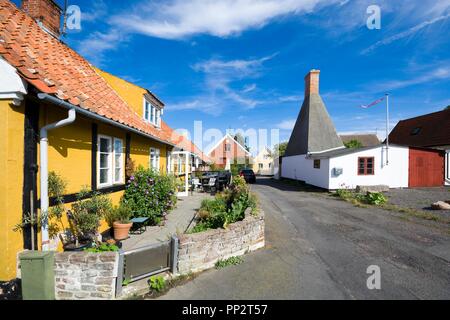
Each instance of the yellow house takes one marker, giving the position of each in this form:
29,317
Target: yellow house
60,114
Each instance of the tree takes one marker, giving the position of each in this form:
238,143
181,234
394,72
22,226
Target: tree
279,150
241,140
352,144
447,107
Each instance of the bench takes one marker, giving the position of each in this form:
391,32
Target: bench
139,226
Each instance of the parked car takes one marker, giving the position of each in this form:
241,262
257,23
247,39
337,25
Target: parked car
213,181
249,175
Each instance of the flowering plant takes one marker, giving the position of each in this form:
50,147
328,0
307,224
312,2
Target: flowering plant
150,194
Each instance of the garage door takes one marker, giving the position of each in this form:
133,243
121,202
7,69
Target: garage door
426,168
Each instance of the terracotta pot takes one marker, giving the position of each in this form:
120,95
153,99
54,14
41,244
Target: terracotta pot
121,230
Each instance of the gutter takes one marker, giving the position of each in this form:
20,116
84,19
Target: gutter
93,115
43,153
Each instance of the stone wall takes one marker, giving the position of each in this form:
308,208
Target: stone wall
200,251
83,275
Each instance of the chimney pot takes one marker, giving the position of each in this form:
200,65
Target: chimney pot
47,12
312,82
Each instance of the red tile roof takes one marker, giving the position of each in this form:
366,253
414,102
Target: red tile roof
432,130
183,143
54,68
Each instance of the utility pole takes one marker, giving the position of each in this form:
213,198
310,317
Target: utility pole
387,128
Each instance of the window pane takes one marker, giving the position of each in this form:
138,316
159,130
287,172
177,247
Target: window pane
146,111
118,146
104,173
104,160
104,145
117,175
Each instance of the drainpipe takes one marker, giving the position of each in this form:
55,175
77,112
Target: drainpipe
44,170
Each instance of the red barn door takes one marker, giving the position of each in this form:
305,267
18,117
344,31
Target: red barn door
426,168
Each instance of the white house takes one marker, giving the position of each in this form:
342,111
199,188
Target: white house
316,155
263,163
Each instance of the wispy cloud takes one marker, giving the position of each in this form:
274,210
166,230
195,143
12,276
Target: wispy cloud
179,19
96,44
219,78
404,34
286,124
438,72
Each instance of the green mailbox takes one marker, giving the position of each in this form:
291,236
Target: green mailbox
38,278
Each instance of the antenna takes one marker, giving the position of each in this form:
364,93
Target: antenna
65,18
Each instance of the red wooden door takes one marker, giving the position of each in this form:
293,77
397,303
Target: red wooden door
426,168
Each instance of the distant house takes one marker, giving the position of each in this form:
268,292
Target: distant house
228,151
316,154
367,140
263,163
431,131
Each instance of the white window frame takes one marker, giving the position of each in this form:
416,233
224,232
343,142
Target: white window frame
121,180
111,162
157,159
154,113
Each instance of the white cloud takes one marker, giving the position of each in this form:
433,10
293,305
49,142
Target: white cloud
179,19
411,31
287,124
97,43
218,85
436,73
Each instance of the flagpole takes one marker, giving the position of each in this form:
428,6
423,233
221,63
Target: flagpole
387,128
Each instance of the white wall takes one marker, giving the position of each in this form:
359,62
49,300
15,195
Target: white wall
301,168
395,175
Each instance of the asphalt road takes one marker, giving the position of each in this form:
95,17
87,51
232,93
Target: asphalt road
320,248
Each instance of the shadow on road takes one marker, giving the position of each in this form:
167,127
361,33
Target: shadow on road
289,185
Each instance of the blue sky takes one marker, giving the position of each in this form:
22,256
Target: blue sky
241,63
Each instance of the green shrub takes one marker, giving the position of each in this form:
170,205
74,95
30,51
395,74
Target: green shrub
232,261
157,283
227,207
104,247
87,213
375,198
121,213
150,194
344,193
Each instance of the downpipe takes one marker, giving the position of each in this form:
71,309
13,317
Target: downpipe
44,172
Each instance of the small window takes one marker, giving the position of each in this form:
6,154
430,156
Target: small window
261,166
152,114
416,131
227,147
317,164
366,166
154,158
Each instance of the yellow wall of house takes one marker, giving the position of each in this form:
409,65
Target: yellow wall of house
69,155
11,178
132,94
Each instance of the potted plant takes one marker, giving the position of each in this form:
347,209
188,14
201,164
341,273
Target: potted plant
84,219
119,220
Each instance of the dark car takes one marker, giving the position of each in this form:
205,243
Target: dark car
213,181
248,175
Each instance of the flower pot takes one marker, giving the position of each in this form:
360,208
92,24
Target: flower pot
121,230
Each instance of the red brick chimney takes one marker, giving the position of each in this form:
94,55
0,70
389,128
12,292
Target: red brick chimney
312,82
45,12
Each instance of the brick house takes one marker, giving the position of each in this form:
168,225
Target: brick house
228,151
